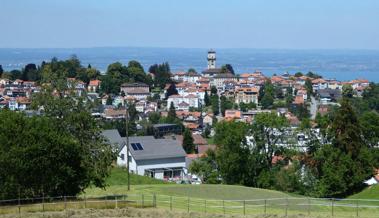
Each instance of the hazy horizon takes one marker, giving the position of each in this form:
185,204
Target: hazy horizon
336,63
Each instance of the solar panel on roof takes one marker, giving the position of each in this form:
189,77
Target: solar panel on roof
134,146
139,146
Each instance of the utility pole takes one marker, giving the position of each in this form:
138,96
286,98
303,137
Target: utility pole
127,142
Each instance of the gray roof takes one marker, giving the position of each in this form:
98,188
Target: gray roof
136,84
114,138
212,71
163,125
152,148
330,93
156,148
225,75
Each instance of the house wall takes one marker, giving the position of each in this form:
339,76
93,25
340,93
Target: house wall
193,102
139,167
143,165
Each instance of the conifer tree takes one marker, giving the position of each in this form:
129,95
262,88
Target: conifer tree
171,116
207,101
346,163
188,144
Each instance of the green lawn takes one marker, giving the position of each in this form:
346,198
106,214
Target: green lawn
215,199
117,184
119,176
231,199
221,192
371,192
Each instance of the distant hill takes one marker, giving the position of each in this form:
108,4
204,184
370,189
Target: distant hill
339,64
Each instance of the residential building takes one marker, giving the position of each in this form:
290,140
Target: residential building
138,91
157,158
233,114
318,84
182,102
219,80
94,85
247,95
328,95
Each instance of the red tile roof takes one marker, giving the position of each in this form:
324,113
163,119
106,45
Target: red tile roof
94,82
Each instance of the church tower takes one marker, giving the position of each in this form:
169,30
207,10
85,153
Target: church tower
211,59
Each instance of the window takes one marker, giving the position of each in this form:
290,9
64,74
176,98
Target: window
137,146
122,157
134,146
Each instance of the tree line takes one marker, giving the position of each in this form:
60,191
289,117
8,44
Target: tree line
60,152
116,73
263,154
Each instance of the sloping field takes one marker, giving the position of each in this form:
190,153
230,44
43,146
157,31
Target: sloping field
176,200
221,192
371,192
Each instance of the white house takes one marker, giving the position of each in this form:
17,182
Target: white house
189,100
192,77
158,158
318,84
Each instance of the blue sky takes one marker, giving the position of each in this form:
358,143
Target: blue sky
293,24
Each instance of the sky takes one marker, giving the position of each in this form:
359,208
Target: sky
276,24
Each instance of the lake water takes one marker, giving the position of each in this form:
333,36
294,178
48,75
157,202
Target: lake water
339,64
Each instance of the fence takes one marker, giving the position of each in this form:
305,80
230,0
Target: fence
284,207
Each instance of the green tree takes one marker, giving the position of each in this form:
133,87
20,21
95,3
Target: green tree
305,124
109,100
301,111
171,116
171,90
56,163
109,85
215,104
245,107
347,91
213,90
267,133
191,70
267,100
1,70
346,162
225,104
299,74
30,72
206,168
188,145
162,74
15,74
207,100
313,75
72,114
232,151
309,87
136,73
371,97
154,117
227,68
133,113
289,96
370,128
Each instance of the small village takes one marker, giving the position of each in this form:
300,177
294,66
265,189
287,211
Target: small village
189,109
196,102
